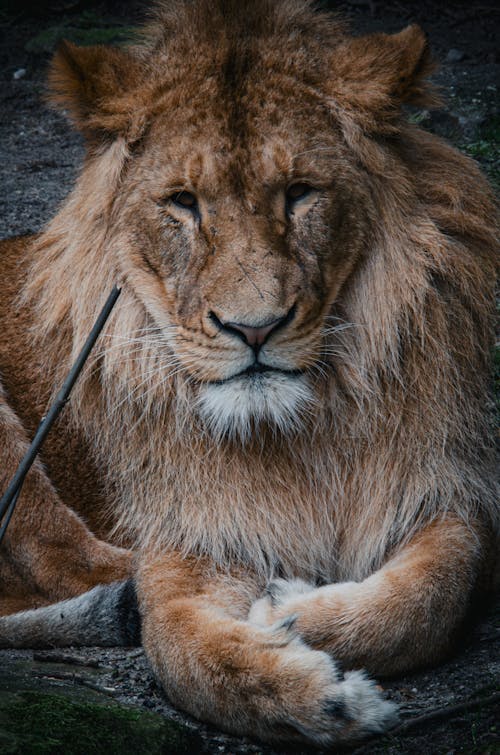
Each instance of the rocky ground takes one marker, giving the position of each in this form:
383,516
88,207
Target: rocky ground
73,701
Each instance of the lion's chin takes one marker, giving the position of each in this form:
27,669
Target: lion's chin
237,407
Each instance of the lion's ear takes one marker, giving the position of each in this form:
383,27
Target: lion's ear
94,85
373,76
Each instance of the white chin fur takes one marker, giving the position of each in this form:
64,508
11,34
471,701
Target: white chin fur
236,407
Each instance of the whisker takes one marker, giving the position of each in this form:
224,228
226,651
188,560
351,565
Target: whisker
176,367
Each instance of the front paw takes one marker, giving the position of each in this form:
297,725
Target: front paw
314,703
316,609
281,599
266,683
281,591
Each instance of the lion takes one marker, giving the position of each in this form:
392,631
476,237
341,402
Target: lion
277,465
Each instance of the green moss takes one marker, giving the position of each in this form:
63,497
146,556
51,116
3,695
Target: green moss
491,130
486,149
48,39
35,723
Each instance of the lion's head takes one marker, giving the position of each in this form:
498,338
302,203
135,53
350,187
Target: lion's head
241,195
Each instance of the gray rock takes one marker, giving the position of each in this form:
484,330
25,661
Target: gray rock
454,55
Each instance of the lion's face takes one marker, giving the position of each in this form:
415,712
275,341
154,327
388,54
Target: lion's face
242,208
238,242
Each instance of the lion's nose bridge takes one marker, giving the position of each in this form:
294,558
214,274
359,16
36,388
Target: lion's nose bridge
253,282
252,294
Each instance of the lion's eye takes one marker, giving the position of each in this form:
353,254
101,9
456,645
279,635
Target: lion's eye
295,193
185,199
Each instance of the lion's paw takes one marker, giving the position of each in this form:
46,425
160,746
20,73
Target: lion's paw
366,705
303,600
281,632
279,595
322,706
281,590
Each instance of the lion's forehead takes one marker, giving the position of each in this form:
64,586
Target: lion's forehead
206,145
235,107
236,66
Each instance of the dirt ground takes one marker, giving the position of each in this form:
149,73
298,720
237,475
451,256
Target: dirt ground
452,709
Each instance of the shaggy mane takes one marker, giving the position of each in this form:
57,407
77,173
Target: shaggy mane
399,436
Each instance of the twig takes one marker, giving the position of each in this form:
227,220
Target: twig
77,679
66,658
112,691
451,711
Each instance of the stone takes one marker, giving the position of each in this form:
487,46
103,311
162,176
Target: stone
454,55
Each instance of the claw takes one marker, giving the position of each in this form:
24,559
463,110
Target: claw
283,630
287,623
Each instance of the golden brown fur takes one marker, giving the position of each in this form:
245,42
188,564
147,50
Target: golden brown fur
372,467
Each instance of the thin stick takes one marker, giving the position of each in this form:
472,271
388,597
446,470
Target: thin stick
449,711
68,659
437,714
9,498
62,676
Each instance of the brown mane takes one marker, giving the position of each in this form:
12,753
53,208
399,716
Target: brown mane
416,311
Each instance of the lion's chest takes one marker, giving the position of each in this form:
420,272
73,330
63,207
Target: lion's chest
269,513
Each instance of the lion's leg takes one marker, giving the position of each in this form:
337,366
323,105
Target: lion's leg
48,553
258,681
403,616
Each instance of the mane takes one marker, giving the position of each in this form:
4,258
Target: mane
180,22
411,322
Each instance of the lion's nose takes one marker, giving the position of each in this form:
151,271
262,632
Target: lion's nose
254,335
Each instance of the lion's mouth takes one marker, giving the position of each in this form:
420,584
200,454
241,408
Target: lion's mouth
256,369
236,406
